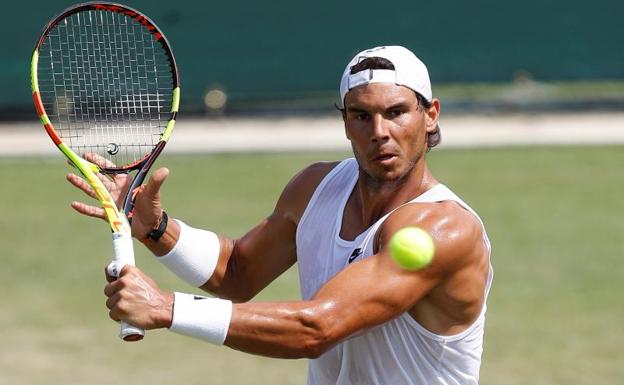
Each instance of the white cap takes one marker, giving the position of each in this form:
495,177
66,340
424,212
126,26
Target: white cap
408,71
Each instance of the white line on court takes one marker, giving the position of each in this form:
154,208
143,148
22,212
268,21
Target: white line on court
326,133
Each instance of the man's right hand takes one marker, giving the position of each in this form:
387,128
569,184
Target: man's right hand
147,211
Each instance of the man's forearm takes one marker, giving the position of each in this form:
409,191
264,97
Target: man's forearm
279,330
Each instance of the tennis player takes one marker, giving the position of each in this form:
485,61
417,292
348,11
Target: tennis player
362,319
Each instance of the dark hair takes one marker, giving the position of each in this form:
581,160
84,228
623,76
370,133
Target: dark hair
379,63
372,63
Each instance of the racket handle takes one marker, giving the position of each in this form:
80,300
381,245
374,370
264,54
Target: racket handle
124,255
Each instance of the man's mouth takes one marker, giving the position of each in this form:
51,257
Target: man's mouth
384,158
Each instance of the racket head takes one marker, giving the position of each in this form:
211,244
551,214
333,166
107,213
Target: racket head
105,81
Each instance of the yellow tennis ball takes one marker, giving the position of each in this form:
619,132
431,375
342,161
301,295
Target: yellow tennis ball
412,248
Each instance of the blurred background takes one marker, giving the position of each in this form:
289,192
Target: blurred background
287,56
532,95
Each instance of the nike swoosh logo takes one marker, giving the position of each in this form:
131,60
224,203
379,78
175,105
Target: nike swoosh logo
356,253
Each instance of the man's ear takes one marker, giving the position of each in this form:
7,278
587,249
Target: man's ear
432,115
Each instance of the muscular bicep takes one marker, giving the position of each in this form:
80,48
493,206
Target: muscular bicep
371,292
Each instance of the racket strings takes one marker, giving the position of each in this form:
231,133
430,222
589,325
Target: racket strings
106,85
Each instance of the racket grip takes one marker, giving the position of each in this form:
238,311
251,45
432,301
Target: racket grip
124,255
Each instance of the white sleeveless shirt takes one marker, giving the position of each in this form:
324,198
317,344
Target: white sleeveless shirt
400,351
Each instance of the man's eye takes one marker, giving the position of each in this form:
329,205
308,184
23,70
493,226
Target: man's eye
362,116
395,113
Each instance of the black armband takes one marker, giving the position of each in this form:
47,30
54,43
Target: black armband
155,234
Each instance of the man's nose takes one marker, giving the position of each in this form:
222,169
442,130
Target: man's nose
380,128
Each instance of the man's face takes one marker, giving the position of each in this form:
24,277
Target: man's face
388,129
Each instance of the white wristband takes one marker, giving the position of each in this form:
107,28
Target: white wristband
200,317
194,257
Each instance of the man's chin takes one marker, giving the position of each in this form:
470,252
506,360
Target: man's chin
386,176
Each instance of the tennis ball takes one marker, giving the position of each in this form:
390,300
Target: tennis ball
412,248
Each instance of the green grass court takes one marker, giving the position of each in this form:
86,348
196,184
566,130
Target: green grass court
555,311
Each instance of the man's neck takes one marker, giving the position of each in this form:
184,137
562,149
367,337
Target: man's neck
376,198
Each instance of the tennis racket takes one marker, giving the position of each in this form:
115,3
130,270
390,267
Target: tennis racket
105,82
